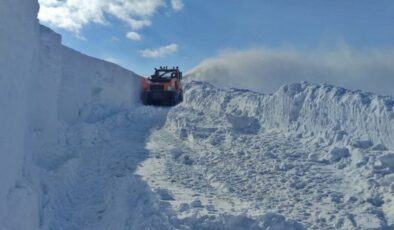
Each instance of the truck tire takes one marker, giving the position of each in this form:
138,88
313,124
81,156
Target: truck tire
181,97
147,98
174,99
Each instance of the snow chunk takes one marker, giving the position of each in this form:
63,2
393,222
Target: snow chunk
183,207
314,157
376,201
196,204
370,222
379,147
246,125
387,160
275,221
165,194
362,144
338,153
187,160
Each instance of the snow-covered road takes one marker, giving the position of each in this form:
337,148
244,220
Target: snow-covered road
90,180
218,161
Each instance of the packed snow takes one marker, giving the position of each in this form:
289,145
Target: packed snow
78,151
314,154
89,181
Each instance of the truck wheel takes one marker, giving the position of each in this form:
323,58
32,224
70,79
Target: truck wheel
180,97
146,100
174,99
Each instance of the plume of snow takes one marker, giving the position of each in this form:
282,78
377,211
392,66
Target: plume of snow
265,70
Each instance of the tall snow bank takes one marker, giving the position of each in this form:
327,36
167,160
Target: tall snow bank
42,114
42,84
90,87
308,109
18,65
76,86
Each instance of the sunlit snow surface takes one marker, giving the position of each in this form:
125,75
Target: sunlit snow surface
78,152
315,154
308,156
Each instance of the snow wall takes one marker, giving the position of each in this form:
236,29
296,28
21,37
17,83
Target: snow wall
97,86
19,41
308,109
44,84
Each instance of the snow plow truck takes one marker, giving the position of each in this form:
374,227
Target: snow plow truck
163,88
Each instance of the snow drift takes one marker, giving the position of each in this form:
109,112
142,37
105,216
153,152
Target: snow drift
308,109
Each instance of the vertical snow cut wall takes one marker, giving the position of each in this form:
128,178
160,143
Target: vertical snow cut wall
42,84
19,41
94,86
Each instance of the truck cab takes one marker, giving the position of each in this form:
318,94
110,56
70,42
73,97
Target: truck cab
163,88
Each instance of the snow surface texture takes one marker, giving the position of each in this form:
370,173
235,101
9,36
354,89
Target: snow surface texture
42,85
316,154
89,181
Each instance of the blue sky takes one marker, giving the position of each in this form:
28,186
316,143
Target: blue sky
200,29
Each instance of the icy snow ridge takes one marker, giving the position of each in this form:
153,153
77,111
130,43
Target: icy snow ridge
316,154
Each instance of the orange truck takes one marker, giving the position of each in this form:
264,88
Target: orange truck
163,88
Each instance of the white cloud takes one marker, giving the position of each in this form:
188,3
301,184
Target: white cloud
73,15
138,24
177,5
133,36
160,52
265,70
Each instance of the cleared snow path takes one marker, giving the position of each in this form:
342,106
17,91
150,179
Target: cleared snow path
242,153
91,183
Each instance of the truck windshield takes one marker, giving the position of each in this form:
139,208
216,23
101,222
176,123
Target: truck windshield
165,74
